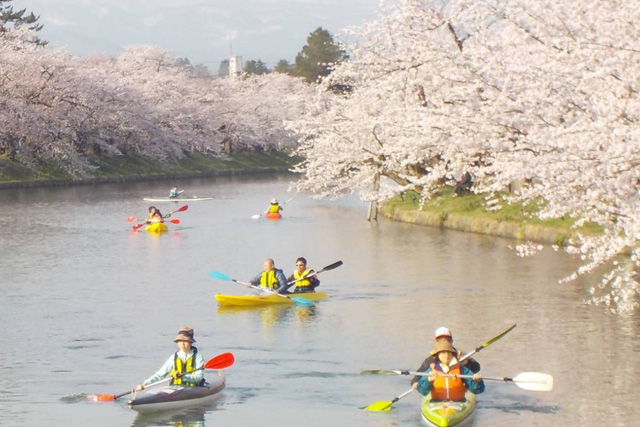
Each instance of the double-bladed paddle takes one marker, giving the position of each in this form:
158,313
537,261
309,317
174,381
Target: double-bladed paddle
312,272
138,226
385,405
221,361
264,213
181,209
298,300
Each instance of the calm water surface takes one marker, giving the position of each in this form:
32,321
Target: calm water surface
88,306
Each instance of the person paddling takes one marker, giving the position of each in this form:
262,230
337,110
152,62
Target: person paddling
274,207
154,215
306,280
444,334
175,192
181,363
270,278
443,387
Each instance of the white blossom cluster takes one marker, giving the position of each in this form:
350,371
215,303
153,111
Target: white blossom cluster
543,93
55,107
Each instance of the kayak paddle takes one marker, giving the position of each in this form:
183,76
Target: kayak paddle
298,300
221,361
385,405
264,213
137,226
533,381
327,268
180,209
134,219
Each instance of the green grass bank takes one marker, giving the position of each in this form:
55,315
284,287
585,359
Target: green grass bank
474,214
135,168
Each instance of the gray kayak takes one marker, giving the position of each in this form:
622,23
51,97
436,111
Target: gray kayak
177,397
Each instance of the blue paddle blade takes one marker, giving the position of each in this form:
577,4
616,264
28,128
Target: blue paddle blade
303,301
220,276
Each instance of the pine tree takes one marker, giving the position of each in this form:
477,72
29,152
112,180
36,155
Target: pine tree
318,56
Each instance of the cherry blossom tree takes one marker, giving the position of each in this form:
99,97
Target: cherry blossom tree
508,90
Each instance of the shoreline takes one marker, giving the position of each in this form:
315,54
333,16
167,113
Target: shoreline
486,226
124,169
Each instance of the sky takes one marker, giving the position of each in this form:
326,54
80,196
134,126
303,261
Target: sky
203,31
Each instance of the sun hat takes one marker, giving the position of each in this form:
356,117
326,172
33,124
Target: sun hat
443,332
185,334
444,346
274,201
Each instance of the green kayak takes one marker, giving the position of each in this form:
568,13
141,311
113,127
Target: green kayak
443,413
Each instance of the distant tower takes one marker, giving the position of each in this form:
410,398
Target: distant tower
235,67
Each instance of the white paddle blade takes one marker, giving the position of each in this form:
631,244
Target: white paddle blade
534,381
255,217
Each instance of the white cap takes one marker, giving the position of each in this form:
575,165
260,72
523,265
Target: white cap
442,331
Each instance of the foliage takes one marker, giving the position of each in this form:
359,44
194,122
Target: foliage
318,56
283,67
13,20
512,91
256,67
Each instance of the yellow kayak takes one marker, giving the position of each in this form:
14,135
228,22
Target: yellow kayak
442,413
261,300
156,227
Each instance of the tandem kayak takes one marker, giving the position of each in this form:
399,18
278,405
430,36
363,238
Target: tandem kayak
176,199
260,300
273,215
443,413
156,227
177,397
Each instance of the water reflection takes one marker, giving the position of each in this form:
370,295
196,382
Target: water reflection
192,417
271,316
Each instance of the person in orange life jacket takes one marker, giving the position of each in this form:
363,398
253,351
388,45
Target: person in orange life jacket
179,364
154,215
309,281
270,278
274,207
448,388
443,333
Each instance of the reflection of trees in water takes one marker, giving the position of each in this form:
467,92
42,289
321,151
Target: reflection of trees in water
191,417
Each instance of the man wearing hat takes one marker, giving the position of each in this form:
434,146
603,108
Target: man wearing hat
443,382
444,334
181,363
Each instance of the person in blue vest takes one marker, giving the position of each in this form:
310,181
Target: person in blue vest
180,365
270,278
304,279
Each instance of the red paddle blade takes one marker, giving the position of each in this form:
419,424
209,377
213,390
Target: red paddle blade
183,208
137,226
174,221
102,397
131,219
220,362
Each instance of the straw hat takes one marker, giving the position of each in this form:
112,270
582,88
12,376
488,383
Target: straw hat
274,201
444,346
185,334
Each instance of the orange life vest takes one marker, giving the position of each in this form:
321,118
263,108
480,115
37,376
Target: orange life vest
447,388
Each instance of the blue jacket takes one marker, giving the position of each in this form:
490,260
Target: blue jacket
424,385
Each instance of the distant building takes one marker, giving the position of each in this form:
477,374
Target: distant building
235,67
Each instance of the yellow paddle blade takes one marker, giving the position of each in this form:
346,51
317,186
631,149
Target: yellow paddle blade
381,406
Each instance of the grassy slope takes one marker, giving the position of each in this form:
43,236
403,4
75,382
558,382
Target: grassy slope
136,167
469,213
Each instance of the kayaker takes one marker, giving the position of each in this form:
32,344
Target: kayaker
443,387
271,277
154,215
444,334
175,193
179,364
274,207
309,281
